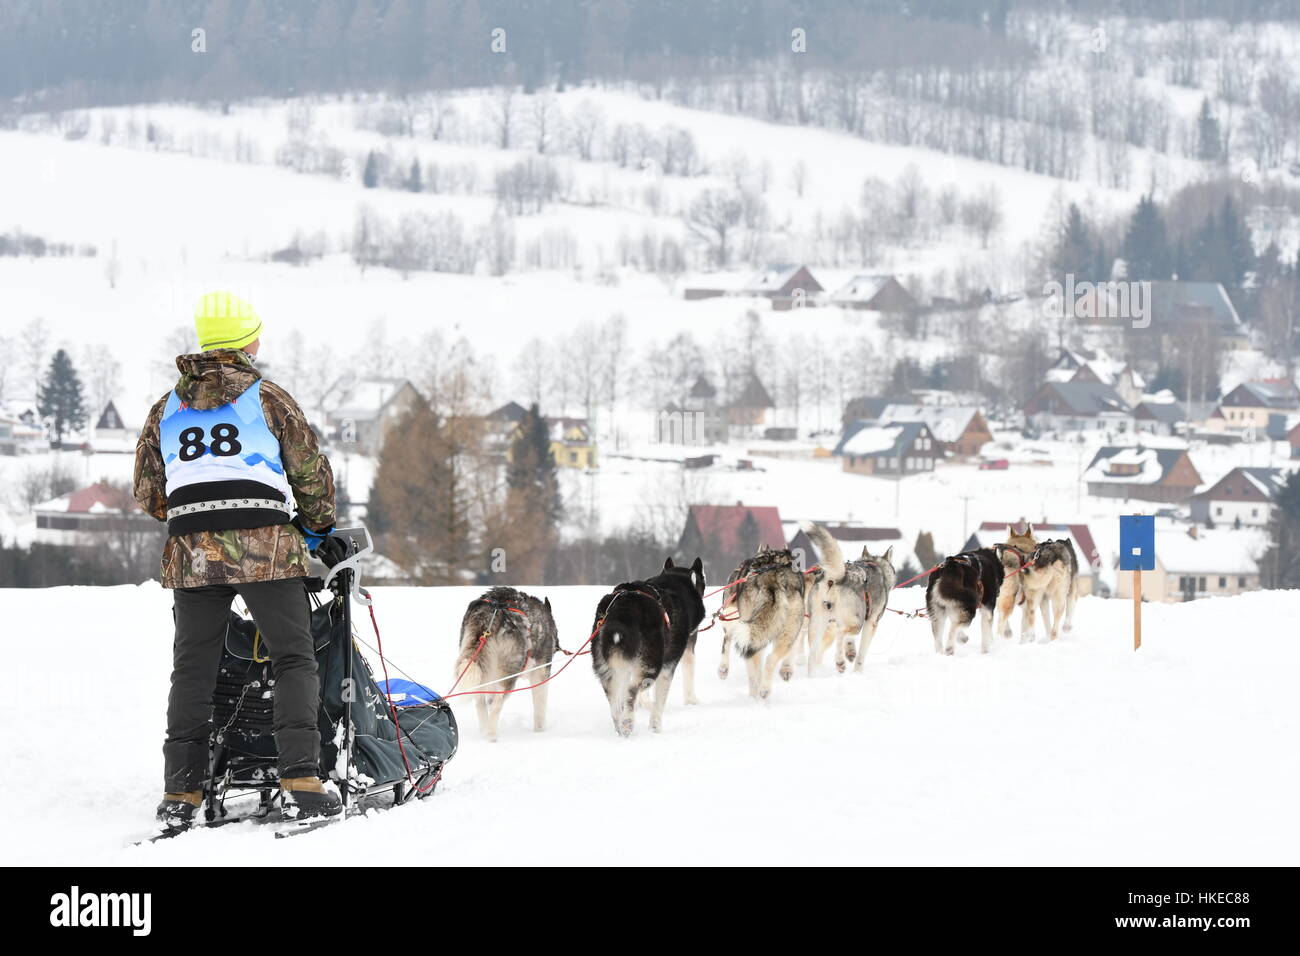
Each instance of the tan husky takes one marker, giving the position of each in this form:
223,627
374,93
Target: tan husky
1014,555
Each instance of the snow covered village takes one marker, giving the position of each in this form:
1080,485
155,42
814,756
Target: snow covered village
650,397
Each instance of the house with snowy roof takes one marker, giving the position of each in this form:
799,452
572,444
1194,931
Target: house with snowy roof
371,406
84,516
960,429
1244,497
1158,418
895,450
1146,474
1082,365
783,284
1077,406
1252,405
876,293
1196,563
572,443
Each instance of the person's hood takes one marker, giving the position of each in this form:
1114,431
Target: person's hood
215,378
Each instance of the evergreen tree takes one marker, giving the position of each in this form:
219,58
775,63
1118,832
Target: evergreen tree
1237,244
1280,567
1146,244
416,507
924,550
414,182
532,470
370,178
1075,252
59,396
1209,143
530,523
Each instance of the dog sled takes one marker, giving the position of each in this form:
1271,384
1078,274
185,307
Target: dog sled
380,750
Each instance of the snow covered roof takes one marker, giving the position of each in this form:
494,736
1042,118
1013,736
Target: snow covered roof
948,422
861,288
1279,394
872,440
368,397
1152,465
1169,413
1080,398
1210,552
774,278
571,431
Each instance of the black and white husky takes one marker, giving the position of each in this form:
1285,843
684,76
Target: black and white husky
517,632
844,598
642,631
964,585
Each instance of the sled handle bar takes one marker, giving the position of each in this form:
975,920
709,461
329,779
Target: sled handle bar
360,545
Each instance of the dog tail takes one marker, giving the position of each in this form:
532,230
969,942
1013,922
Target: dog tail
828,547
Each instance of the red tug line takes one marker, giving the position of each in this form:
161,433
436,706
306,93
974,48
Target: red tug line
582,651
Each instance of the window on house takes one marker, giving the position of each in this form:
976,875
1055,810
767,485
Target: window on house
1218,510
1241,582
573,457
1254,512
1223,582
1201,586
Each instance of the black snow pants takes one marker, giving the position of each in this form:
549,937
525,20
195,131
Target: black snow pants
282,612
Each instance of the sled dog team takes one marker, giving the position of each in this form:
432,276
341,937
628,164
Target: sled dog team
644,630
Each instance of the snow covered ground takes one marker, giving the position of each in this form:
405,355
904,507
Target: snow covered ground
1079,752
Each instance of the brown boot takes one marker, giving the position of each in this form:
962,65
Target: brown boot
176,812
306,797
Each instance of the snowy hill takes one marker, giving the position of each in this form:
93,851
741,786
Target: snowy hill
1079,752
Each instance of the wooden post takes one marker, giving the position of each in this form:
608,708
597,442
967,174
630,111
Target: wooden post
1137,609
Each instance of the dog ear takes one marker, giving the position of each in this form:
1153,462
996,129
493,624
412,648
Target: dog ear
888,555
1011,531
547,602
1029,528
698,565
866,552
669,563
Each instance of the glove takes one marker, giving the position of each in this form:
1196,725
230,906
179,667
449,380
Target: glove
314,539
333,550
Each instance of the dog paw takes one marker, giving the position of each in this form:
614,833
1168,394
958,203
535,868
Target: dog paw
964,638
722,673
851,652
786,672
624,728
857,668
692,700
764,693
950,651
840,667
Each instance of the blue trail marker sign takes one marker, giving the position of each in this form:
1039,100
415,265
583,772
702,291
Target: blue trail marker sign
1137,553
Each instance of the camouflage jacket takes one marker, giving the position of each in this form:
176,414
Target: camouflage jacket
209,380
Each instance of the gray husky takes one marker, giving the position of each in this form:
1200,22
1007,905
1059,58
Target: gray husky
1051,578
845,599
517,632
763,612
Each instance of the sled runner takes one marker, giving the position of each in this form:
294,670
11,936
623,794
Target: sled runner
379,754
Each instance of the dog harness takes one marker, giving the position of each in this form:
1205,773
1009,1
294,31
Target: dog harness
222,465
